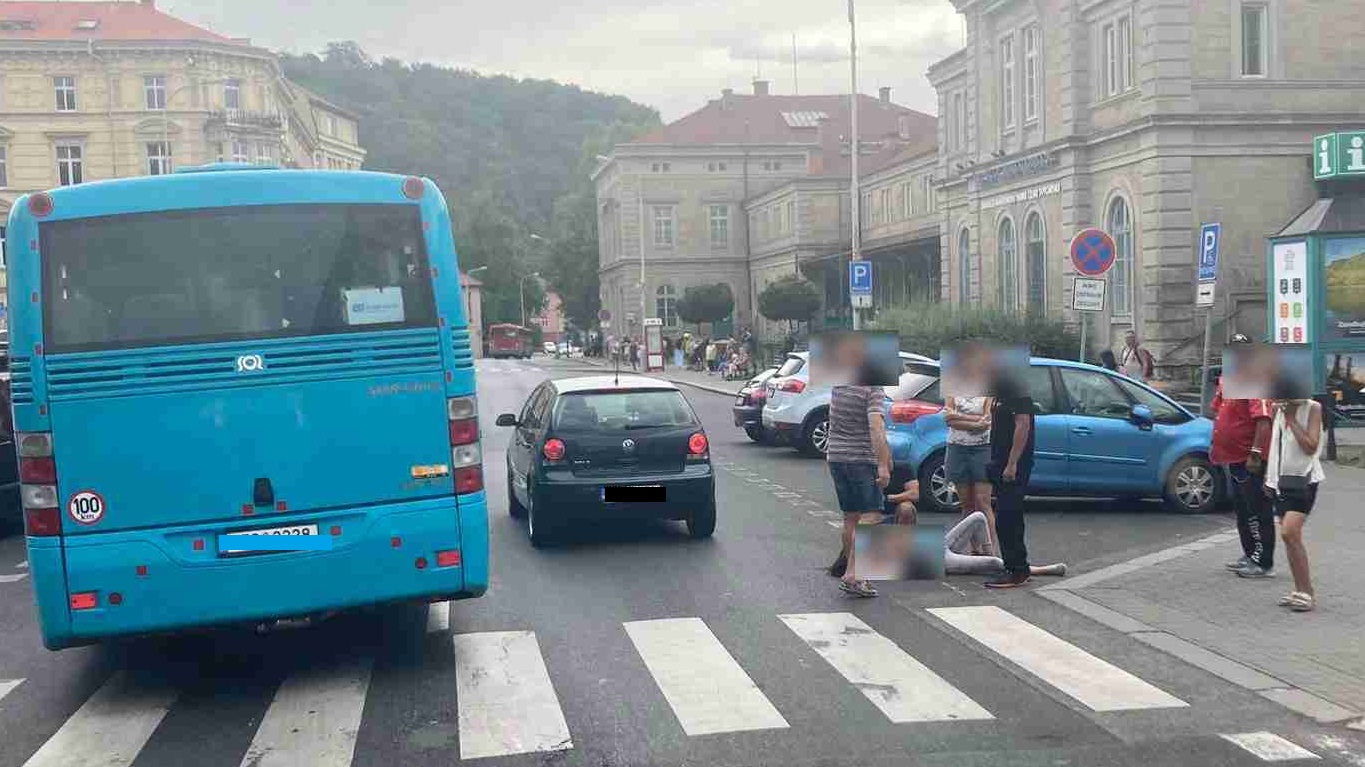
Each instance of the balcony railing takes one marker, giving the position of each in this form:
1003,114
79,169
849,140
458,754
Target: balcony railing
237,118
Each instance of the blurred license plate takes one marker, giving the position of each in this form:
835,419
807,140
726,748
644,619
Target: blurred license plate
633,493
291,530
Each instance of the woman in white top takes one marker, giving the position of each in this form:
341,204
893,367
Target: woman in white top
1293,471
969,451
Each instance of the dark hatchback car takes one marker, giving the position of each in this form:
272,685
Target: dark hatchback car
748,408
600,448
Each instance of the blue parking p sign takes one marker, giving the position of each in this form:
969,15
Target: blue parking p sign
1210,236
860,278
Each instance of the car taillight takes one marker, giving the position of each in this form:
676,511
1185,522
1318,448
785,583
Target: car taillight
466,454
553,450
38,488
697,446
793,386
908,411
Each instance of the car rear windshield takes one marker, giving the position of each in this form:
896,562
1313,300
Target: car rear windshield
221,274
790,367
622,410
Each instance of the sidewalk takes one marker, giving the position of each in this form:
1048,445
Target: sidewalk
1182,601
711,383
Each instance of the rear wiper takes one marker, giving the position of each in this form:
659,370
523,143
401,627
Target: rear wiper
632,426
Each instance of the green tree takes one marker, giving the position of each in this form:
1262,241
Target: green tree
791,298
706,303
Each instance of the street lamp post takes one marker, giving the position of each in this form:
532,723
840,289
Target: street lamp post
522,291
854,201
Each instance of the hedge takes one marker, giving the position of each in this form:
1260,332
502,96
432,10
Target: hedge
929,328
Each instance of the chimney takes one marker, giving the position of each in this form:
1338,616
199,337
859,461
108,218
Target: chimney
727,98
884,93
760,87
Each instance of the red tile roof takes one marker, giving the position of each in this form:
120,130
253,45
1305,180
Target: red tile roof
113,21
747,119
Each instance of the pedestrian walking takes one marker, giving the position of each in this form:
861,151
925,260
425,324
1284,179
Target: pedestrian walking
860,465
1011,464
968,453
1292,475
710,356
634,354
1241,433
1136,362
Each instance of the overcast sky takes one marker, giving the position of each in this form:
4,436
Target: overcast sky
669,55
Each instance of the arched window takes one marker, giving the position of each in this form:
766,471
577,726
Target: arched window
1009,266
666,305
1119,224
964,266
1035,251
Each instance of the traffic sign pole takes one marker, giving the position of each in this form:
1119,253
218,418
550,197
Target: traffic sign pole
1092,254
1210,238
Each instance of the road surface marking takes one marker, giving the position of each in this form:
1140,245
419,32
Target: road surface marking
701,681
13,578
22,565
314,718
902,687
110,728
7,686
1269,747
1097,684
507,704
438,617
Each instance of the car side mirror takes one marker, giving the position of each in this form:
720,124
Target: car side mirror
1142,417
507,419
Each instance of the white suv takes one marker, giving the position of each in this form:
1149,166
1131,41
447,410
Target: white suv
797,413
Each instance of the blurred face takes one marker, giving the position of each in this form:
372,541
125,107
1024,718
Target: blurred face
1130,338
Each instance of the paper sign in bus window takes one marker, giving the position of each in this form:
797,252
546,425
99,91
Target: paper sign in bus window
373,306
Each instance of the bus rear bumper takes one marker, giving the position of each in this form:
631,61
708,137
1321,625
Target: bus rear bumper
148,582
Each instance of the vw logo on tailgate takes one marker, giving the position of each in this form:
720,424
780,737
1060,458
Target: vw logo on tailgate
250,363
628,446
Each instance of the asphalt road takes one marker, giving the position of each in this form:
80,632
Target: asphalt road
568,658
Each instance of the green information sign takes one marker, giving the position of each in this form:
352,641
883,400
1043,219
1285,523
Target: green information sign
1338,155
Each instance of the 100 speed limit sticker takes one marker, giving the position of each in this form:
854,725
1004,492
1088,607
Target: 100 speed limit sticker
86,507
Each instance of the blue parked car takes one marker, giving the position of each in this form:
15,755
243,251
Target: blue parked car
1100,434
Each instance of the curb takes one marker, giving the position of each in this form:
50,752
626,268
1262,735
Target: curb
679,381
1269,687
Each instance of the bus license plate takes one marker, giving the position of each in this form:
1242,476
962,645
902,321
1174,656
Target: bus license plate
290,530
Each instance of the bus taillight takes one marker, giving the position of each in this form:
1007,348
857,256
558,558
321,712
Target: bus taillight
413,188
466,454
38,484
40,205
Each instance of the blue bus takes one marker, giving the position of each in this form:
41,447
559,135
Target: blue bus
237,351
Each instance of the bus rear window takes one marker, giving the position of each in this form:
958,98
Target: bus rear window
236,273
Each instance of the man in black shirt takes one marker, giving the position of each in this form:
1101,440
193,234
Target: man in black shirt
1010,466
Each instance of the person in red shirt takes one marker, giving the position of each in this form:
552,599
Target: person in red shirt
1241,432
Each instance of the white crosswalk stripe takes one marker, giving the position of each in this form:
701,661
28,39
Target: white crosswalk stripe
314,719
22,565
507,704
902,687
1096,683
438,617
8,686
1269,747
110,728
13,578
707,689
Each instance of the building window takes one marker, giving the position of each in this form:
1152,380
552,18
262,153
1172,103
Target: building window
1009,266
964,266
1119,224
663,226
331,125
721,167
65,87
1007,83
907,200
791,216
158,158
154,89
265,153
240,152
666,305
1035,251
1255,33
4,166
884,206
865,209
1030,74
720,227
69,170
232,94
1118,56
927,184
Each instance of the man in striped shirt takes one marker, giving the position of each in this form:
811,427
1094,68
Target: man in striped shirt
860,465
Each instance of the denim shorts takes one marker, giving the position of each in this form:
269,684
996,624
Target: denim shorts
856,486
966,464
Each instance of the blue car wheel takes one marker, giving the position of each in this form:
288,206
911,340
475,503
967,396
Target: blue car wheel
937,494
